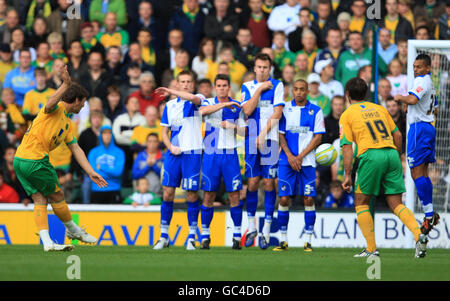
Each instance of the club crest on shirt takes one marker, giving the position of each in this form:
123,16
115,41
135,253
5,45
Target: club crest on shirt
419,89
311,112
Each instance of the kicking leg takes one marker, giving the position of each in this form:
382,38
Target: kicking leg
73,231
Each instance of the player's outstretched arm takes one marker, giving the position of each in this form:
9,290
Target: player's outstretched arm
56,97
409,99
182,94
79,155
207,110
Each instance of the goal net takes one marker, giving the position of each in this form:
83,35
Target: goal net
439,172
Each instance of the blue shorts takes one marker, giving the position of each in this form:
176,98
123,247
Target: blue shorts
291,182
421,144
261,164
215,166
184,167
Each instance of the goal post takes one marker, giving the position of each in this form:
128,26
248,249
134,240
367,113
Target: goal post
439,51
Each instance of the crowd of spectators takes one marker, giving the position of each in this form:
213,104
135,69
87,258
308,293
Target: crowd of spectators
120,51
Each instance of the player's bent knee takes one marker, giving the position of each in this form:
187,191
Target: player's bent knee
309,201
269,184
234,198
56,197
39,198
285,201
191,196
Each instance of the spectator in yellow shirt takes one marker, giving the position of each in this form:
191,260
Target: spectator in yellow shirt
37,98
140,133
237,69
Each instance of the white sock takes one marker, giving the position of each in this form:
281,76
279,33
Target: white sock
45,237
266,228
251,224
72,227
193,229
308,237
284,236
237,230
164,230
205,231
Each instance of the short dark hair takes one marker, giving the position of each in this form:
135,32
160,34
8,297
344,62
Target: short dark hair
73,92
222,77
263,57
113,89
423,27
40,71
301,81
356,88
335,184
153,135
304,9
145,30
356,32
24,49
362,69
424,57
204,81
338,97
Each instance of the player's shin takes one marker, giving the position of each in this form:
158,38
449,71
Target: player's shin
425,194
310,220
283,221
269,207
236,216
408,219
252,204
192,214
207,214
166,217
365,222
63,213
41,220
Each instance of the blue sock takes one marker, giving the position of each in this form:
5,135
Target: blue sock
207,214
236,216
166,217
283,220
252,202
425,193
192,214
269,204
310,220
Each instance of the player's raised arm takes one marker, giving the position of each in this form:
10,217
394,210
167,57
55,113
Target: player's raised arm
249,106
56,97
79,155
182,94
210,109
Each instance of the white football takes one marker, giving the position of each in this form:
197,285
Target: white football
326,154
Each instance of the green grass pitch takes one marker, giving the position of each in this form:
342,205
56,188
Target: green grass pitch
23,262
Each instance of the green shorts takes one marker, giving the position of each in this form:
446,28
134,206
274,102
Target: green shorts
36,176
379,168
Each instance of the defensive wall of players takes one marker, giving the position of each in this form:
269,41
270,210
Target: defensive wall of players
124,225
